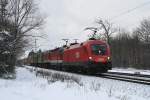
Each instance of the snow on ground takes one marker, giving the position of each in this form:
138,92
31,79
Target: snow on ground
54,85
131,70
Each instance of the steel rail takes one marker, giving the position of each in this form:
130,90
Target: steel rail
130,74
121,77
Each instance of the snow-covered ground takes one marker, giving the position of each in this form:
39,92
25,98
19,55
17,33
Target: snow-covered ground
54,85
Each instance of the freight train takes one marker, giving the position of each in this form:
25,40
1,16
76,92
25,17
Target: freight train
91,56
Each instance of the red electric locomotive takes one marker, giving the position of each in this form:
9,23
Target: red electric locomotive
91,56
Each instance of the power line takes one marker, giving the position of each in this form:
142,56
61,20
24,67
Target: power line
130,10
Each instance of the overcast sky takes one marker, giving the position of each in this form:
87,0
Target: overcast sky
68,18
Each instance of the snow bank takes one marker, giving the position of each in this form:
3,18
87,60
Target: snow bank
30,85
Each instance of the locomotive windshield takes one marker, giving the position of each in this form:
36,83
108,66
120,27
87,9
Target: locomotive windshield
98,49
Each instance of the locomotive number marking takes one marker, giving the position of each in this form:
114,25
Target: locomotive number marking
101,59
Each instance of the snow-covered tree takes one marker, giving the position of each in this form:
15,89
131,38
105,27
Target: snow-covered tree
18,20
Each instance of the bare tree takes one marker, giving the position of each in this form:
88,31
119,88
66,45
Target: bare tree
24,19
107,28
143,30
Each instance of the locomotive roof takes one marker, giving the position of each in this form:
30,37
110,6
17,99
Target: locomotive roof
94,41
85,43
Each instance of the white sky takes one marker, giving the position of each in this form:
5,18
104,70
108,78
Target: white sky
68,18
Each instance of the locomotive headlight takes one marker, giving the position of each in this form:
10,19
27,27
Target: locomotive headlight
108,58
90,58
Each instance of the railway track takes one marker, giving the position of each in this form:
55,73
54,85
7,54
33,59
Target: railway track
138,74
128,77
135,78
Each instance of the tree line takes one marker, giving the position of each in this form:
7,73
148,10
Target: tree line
128,49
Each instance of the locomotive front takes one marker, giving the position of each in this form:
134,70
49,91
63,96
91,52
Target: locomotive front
99,56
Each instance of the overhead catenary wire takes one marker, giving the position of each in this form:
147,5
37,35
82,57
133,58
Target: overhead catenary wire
130,10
